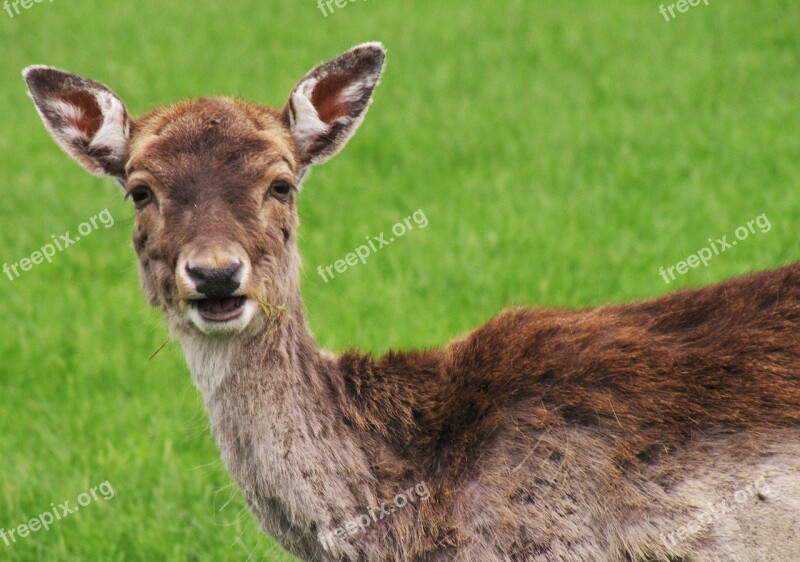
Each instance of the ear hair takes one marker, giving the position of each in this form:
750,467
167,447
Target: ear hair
330,102
85,118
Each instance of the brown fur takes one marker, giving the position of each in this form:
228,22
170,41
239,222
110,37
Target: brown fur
543,435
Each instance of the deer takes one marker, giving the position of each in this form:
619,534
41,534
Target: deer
661,430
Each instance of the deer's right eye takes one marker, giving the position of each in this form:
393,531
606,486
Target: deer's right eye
141,195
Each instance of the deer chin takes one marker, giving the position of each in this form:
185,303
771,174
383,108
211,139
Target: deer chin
220,317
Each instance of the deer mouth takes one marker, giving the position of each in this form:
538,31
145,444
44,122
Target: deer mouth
220,310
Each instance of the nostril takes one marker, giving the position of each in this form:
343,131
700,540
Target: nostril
213,282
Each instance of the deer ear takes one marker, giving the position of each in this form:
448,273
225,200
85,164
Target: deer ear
85,118
328,105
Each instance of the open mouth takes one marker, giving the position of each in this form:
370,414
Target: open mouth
220,310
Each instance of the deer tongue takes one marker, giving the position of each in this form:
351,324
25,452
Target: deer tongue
220,310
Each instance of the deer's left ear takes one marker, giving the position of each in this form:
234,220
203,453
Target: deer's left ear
85,118
328,105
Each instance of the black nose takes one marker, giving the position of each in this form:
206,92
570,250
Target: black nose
215,283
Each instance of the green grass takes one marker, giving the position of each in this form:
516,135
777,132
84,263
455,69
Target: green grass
562,153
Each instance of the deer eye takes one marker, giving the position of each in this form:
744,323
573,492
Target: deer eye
141,195
280,189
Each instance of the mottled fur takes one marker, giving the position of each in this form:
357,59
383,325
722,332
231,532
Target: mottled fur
545,435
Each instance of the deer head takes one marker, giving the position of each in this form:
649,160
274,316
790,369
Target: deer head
214,181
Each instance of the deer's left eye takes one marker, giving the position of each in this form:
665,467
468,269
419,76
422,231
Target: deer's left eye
280,189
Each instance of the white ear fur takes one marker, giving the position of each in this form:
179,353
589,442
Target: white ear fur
304,121
85,118
327,106
114,133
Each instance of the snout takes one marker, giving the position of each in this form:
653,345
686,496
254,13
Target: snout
215,282
212,280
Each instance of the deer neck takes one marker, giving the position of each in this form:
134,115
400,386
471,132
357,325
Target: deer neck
301,468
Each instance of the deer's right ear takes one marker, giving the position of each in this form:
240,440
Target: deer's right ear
330,102
85,118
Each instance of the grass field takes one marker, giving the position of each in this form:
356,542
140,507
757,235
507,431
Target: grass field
561,152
